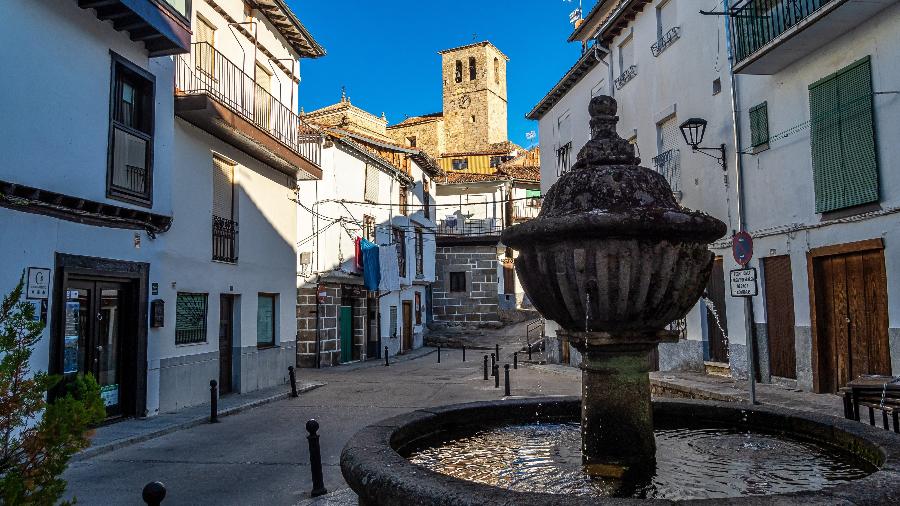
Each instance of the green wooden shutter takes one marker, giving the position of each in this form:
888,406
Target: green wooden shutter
759,124
845,168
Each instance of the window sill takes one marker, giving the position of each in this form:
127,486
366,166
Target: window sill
267,347
112,194
187,345
755,150
225,262
850,211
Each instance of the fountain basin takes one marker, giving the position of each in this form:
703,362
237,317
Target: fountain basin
375,464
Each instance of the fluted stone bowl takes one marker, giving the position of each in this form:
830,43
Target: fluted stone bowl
611,249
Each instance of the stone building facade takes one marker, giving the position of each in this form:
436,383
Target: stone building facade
466,288
331,298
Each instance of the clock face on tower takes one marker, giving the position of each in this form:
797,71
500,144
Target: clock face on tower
464,101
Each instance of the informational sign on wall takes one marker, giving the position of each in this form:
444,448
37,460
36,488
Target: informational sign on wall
38,283
743,283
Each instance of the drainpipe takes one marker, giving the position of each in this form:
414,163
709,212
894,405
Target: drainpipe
749,318
598,48
318,339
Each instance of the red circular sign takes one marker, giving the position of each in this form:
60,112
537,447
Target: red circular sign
742,248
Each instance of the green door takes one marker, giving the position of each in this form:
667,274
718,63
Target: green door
346,333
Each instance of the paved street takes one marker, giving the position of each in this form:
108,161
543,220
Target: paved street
260,456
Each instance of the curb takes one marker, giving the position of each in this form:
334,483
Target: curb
93,451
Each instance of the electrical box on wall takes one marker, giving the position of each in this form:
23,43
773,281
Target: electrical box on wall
157,313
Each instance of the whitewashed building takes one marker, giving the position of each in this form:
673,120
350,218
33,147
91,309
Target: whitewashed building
126,211
376,190
663,62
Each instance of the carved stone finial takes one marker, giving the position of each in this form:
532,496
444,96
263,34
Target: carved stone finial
605,146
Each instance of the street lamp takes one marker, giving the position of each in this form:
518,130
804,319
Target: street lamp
693,131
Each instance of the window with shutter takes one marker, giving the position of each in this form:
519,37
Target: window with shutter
844,159
205,35
759,124
131,133
371,186
223,188
393,329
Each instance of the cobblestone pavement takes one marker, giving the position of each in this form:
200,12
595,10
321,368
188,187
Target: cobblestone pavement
260,456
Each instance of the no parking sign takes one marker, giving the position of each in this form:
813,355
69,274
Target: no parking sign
742,248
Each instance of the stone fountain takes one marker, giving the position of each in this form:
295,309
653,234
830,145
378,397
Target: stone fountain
612,258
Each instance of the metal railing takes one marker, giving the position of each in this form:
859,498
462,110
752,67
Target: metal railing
626,75
563,155
665,41
458,227
755,23
667,163
224,239
205,70
534,335
527,210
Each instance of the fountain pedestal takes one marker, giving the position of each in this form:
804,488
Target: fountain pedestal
616,414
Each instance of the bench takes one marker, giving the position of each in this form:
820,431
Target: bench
874,392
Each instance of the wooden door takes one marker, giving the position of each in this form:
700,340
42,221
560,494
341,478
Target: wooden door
779,293
407,325
849,292
718,346
226,340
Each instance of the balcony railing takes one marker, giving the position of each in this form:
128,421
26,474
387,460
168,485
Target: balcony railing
755,23
208,71
527,210
224,240
469,228
667,163
665,41
627,75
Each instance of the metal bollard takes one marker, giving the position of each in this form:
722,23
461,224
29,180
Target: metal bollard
485,368
154,493
515,360
315,459
496,375
529,352
464,353
213,401
439,354
506,379
293,381
386,363
493,363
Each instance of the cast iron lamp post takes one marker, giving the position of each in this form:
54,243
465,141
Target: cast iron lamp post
693,130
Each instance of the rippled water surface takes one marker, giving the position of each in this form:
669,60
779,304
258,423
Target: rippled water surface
691,463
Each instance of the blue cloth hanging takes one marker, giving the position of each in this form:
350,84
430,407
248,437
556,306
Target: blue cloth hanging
371,264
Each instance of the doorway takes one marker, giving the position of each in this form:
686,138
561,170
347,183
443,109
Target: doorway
226,343
849,313
373,336
715,289
407,326
779,293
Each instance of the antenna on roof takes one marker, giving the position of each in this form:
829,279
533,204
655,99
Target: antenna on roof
343,93
575,15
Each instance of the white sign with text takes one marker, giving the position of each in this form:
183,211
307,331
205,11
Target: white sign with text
743,283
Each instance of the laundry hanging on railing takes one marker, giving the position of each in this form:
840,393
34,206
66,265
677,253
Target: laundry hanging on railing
369,252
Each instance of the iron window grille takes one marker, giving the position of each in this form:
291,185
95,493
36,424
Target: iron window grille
562,158
190,318
679,327
665,41
626,75
224,239
667,163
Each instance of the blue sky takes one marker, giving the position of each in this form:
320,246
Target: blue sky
385,52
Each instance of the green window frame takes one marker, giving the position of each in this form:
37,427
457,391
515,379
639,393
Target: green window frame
190,318
532,194
266,320
842,138
759,124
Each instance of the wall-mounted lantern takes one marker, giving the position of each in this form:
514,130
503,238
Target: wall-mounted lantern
693,131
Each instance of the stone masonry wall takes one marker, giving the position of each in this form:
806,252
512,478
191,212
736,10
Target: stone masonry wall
329,326
478,304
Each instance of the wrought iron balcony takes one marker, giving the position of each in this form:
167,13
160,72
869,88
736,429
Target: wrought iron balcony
667,163
255,121
469,228
665,41
627,75
224,240
528,209
769,35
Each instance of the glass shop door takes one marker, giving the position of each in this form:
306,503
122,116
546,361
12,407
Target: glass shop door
94,312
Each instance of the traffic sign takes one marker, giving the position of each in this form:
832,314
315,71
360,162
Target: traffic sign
742,248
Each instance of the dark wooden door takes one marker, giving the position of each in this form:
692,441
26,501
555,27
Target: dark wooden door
718,346
851,317
226,340
373,337
407,325
779,293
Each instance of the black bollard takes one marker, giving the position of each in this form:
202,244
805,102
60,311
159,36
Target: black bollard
497,350
464,353
496,375
213,401
439,354
506,379
386,363
293,381
485,368
315,459
529,352
493,363
515,360
154,493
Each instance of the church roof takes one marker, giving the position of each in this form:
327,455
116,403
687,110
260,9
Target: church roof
474,44
415,120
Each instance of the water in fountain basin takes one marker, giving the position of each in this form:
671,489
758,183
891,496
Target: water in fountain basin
691,463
